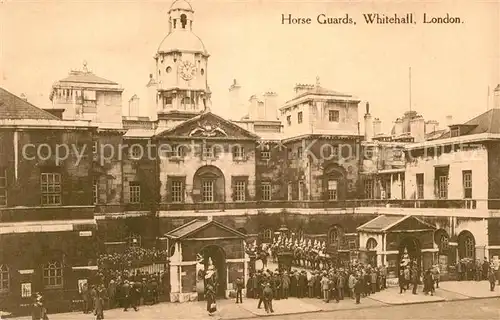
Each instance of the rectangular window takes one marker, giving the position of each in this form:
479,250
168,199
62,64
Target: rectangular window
332,190
167,101
240,189
95,146
177,151
301,190
177,191
420,185
266,191
51,188
333,115
369,189
443,187
3,186
388,187
4,278
207,191
289,120
290,191
238,153
265,155
95,190
299,117
299,153
455,132
467,183
134,192
208,152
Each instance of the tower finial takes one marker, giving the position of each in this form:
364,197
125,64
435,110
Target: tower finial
317,81
85,69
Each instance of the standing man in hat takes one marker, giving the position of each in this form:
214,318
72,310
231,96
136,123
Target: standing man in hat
268,298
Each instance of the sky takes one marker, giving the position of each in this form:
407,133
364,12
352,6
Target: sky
452,65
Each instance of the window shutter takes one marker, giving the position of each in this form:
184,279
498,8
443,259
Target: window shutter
169,190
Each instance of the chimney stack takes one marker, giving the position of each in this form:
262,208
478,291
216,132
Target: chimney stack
496,97
449,120
261,110
271,106
417,129
253,108
235,102
377,127
398,127
431,126
368,124
133,106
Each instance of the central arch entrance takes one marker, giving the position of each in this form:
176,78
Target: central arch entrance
209,185
217,255
410,253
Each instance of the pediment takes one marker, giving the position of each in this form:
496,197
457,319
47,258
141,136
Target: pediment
198,229
212,231
208,125
411,223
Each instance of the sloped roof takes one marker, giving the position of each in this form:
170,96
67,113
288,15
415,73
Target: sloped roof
384,223
487,122
381,223
13,107
86,77
195,225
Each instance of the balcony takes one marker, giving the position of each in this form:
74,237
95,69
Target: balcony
343,204
26,214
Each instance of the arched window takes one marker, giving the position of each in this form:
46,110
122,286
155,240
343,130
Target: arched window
333,236
469,248
267,235
4,278
53,274
466,245
371,244
183,21
443,242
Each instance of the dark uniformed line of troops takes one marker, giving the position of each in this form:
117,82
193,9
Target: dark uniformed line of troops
336,284
467,269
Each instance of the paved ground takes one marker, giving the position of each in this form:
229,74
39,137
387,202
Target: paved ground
469,309
449,294
472,289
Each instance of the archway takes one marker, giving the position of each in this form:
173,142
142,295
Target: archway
218,257
209,185
334,183
371,248
466,245
410,253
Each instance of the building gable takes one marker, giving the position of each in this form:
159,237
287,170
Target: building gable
411,223
212,231
208,125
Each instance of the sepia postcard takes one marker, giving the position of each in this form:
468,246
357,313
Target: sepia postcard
239,159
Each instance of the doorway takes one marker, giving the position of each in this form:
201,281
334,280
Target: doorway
218,257
410,250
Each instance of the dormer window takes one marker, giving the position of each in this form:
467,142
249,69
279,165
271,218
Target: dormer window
455,132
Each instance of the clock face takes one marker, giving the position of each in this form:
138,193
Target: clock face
187,70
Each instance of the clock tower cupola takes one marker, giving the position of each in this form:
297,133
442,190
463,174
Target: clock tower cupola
180,81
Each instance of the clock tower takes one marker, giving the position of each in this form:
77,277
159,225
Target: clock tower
179,87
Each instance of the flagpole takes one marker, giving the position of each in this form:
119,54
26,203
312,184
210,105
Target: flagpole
488,100
409,76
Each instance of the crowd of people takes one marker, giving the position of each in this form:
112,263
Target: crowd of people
133,257
335,283
120,283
